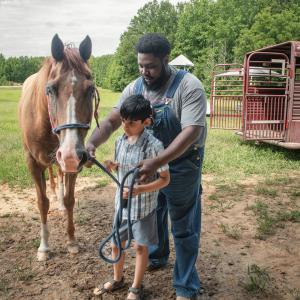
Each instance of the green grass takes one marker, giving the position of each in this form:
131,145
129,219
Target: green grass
233,232
268,221
258,279
226,156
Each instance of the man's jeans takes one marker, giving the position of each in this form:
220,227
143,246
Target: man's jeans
182,198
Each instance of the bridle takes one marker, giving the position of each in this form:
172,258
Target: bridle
56,130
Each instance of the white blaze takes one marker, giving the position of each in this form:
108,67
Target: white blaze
71,134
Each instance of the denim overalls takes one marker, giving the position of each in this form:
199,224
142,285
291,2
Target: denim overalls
181,198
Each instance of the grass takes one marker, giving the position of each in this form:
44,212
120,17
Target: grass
233,232
269,221
227,156
24,274
267,192
258,279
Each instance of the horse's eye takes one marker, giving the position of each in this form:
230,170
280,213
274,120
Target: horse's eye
51,90
90,91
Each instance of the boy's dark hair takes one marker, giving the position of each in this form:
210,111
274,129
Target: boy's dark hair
153,43
135,108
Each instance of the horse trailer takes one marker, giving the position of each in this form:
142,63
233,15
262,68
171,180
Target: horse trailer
261,98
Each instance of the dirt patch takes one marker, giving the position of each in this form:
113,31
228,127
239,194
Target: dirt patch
229,245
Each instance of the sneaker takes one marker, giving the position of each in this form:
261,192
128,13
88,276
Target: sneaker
195,297
155,267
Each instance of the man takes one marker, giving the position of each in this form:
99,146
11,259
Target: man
179,103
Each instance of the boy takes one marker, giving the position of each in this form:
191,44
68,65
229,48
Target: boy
134,146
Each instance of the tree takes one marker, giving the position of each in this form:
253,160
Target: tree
3,80
17,69
99,66
152,17
270,28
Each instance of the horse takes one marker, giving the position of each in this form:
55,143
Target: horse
55,113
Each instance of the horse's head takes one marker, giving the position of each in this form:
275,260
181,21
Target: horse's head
70,91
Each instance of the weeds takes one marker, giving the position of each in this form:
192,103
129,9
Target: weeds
232,232
278,181
4,286
267,192
258,279
81,218
25,274
267,223
295,293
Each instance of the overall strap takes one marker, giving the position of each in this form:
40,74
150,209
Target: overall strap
174,85
138,86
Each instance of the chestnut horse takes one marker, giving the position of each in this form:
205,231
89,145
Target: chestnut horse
55,112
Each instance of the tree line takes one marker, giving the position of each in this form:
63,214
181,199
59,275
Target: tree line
206,31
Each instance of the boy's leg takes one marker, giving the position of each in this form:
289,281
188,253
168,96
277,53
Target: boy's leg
141,263
118,267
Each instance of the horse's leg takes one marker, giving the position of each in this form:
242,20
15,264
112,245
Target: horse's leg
52,183
51,179
69,201
60,181
38,175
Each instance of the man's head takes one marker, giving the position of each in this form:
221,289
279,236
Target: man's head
136,113
153,56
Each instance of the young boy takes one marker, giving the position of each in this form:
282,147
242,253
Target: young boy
134,146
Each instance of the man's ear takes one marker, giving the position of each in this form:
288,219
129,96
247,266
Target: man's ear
166,59
147,122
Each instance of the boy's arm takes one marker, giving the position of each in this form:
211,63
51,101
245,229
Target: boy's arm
162,181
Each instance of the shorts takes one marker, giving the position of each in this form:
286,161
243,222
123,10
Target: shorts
144,231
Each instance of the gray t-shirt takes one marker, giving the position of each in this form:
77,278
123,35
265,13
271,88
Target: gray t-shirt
188,104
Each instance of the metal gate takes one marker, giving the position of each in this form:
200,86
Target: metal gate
226,96
265,96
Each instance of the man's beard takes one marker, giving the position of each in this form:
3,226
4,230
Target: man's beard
160,81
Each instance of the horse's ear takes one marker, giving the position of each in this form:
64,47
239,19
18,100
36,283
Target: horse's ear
85,48
57,48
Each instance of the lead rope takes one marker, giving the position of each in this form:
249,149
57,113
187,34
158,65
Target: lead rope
97,102
115,234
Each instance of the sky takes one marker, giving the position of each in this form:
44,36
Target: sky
27,26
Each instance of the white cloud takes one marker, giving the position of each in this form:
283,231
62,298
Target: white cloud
27,26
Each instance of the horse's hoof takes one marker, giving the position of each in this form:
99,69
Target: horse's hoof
43,256
73,248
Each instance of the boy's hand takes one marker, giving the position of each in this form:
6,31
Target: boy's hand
91,149
111,166
136,190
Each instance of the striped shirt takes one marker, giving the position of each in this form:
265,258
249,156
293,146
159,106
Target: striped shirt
129,156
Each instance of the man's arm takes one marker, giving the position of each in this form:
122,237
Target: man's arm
99,136
179,145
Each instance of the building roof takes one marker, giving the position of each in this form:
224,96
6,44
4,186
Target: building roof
181,60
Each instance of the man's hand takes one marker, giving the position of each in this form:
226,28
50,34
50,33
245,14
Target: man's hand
91,149
111,166
148,167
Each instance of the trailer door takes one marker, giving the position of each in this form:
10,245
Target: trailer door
226,97
265,96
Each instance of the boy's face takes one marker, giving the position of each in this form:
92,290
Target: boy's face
133,128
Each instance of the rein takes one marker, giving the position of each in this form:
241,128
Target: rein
115,234
57,129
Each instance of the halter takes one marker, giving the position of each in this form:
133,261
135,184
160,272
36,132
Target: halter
56,130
